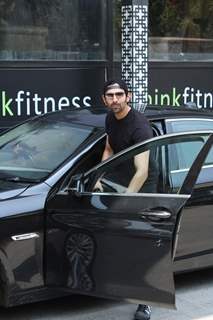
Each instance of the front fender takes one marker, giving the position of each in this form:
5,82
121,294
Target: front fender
7,280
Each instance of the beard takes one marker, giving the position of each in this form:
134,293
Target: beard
116,108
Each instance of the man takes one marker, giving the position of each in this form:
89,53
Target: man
126,127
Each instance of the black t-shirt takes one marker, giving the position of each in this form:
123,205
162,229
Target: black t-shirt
124,133
128,131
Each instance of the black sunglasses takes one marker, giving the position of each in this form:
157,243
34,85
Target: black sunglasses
117,94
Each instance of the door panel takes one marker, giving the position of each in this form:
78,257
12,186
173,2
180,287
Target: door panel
195,245
117,245
110,248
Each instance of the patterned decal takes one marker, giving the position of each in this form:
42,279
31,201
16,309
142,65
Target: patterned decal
135,52
80,251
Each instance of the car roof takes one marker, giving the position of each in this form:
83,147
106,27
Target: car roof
96,116
159,112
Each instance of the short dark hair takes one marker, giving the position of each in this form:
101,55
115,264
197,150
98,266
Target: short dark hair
121,83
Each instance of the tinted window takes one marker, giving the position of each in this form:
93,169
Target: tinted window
179,165
33,150
116,176
181,125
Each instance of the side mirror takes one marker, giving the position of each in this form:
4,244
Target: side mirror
78,181
76,185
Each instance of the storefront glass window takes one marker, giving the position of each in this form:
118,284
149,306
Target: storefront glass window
52,30
117,29
179,30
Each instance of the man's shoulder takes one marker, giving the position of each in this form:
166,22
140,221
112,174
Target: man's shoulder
109,119
141,127
139,116
138,113
109,115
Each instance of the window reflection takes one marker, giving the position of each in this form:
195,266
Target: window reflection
52,29
179,30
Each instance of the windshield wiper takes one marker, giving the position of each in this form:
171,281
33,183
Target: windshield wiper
7,177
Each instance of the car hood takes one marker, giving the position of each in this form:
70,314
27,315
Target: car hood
10,189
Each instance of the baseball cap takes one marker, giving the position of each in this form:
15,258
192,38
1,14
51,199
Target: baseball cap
114,84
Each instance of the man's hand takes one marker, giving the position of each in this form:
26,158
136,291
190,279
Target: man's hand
98,186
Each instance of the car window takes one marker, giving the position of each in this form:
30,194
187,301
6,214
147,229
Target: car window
88,160
36,148
179,165
190,124
116,176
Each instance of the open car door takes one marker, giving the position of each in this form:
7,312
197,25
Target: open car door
117,244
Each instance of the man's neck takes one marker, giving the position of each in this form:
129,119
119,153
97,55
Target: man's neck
123,113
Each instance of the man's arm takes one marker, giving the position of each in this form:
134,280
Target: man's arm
108,152
141,162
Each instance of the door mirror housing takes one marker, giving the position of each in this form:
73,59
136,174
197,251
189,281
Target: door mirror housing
76,184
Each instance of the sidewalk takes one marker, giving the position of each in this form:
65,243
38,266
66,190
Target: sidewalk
194,298
194,302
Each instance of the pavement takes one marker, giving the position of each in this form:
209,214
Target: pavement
194,298
194,302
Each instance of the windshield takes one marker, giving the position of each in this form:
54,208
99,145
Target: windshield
31,151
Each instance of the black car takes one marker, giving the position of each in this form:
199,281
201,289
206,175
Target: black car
59,236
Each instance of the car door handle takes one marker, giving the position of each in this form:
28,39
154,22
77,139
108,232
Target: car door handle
159,214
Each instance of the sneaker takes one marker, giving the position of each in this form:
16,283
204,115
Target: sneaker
143,312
